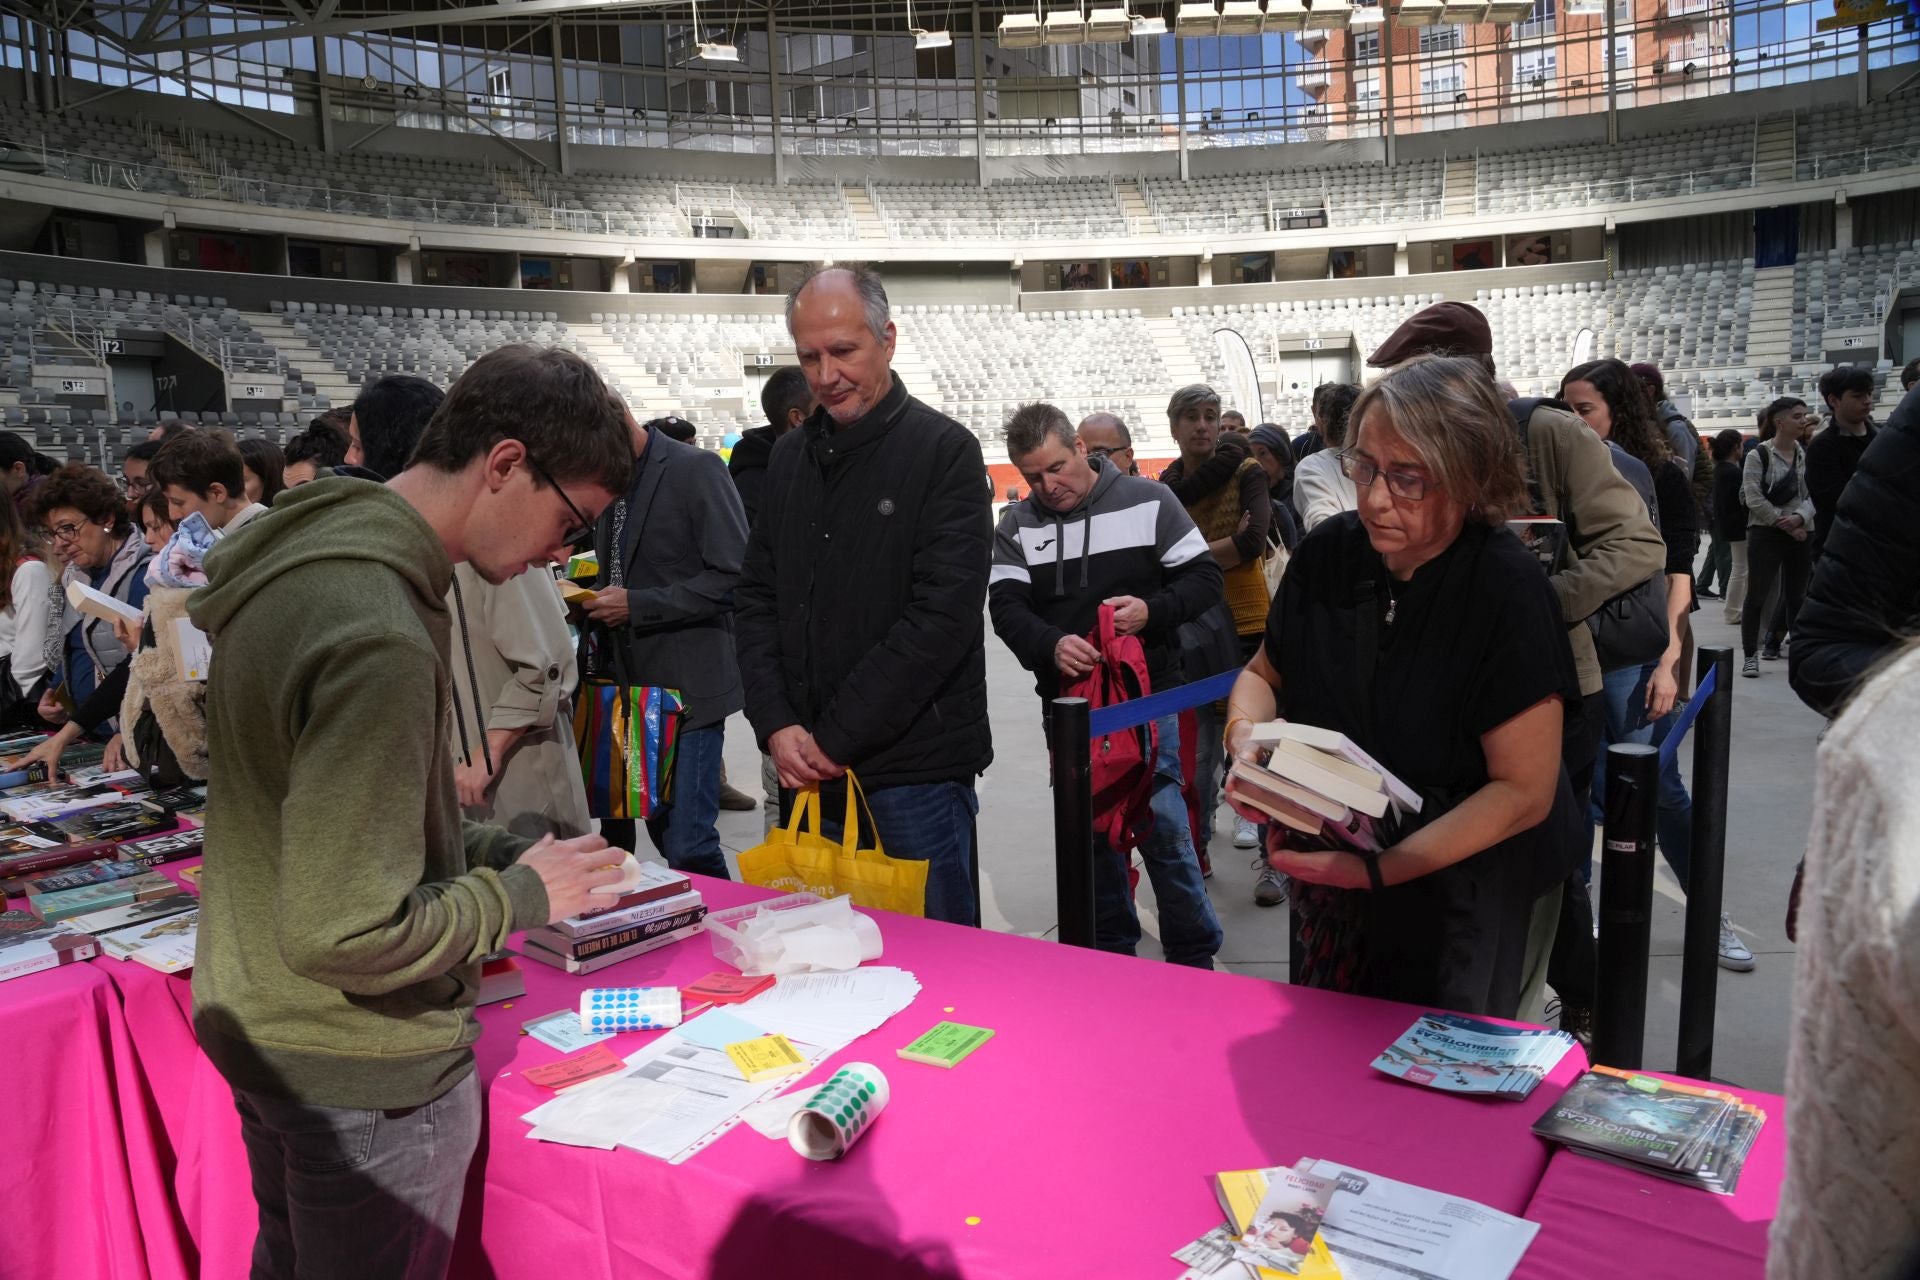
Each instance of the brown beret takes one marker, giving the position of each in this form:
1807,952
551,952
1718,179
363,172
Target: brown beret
1445,328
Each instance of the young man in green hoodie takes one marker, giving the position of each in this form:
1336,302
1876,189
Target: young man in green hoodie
345,905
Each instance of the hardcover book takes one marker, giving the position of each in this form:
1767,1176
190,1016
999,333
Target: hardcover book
593,926
656,882
98,922
581,948
172,847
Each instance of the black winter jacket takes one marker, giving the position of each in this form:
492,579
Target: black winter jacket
748,467
861,609
1865,597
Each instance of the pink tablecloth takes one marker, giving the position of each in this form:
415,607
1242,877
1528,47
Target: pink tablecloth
1653,1229
83,1190
1082,1137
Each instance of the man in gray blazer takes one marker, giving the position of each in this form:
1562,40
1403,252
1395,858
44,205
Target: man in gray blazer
670,552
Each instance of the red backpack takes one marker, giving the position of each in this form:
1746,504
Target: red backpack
1123,760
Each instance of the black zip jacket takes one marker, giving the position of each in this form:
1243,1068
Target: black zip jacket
1865,598
861,608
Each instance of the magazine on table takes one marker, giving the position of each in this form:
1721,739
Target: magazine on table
1459,1054
1379,1229
1682,1132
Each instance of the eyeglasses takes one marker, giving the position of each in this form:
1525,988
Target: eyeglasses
137,486
1099,452
579,532
1363,471
64,532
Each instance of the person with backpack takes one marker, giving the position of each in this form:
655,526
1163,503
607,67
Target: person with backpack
1780,516
1611,550
1085,541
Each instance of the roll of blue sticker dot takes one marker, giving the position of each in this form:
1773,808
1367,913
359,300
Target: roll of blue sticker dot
611,1009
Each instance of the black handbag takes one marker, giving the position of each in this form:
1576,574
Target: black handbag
1209,644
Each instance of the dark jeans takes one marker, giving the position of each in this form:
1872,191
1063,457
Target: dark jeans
361,1195
931,822
1773,556
683,829
1189,931
1719,561
1573,969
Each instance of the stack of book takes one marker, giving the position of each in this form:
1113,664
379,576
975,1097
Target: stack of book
663,908
157,932
1682,1132
116,862
46,828
1324,787
1459,1054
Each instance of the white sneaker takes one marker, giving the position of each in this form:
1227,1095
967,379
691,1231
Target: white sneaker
1245,834
1734,953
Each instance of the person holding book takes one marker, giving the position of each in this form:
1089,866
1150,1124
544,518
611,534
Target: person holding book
346,906
86,522
1087,536
1422,630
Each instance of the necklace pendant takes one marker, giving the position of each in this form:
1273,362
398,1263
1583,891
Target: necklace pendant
1392,606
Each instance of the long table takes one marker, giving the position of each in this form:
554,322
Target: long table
1078,1141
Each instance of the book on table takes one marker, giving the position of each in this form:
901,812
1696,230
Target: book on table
672,929
164,944
1458,1054
129,820
171,847
29,944
63,904
501,978
657,881
111,918
1682,1132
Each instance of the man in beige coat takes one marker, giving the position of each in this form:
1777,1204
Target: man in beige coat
514,678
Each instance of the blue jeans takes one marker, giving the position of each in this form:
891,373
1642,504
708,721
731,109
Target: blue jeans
1626,695
683,828
930,822
1190,933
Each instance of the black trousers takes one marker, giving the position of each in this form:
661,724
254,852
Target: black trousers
1574,966
1773,557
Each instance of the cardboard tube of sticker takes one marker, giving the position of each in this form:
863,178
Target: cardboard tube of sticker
839,1112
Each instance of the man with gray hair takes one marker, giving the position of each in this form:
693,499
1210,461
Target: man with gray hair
859,610
1086,537
1106,436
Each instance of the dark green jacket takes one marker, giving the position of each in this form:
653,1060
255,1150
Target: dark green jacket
345,905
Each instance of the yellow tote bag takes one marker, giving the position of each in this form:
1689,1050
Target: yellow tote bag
798,857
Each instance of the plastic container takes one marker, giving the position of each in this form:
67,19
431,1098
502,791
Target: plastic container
725,926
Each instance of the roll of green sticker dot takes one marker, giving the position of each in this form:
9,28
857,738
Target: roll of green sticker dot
839,1111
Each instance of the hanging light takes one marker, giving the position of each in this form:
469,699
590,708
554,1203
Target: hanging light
711,50
924,39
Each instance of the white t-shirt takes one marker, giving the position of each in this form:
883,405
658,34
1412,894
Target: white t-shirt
24,623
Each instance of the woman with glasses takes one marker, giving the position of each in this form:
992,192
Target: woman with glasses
1422,630
87,525
134,478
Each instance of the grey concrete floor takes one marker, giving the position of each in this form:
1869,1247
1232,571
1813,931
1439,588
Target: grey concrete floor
1770,786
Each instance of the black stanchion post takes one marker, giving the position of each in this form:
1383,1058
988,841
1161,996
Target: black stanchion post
1706,869
1073,820
1626,905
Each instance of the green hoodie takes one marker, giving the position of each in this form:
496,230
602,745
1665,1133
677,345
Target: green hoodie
345,904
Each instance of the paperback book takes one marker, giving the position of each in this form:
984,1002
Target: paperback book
64,904
657,881
128,820
99,871
1685,1133
1324,788
617,939
172,847
29,944
580,928
594,963
164,945
500,978
1459,1054
17,868
112,918
42,804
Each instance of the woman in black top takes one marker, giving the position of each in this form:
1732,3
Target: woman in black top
1275,456
1727,518
1424,631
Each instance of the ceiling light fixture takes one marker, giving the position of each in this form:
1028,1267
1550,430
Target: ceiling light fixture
924,39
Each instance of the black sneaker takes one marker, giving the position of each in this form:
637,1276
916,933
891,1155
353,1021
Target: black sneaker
1750,668
1771,655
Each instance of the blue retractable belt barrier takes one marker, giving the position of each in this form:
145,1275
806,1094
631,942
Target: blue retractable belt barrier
1125,715
1691,712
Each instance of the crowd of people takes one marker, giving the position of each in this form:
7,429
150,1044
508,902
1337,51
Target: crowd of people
388,726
